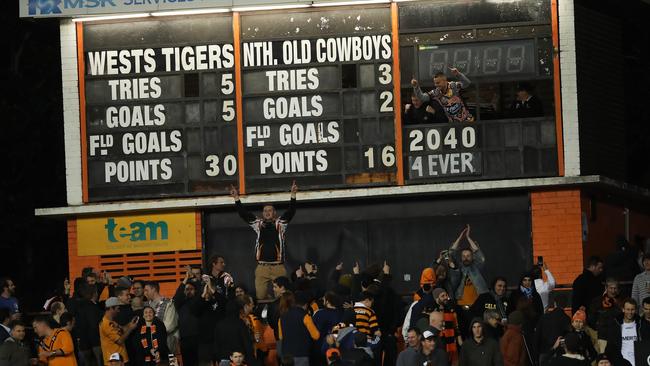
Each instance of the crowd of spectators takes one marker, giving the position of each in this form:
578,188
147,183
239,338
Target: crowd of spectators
456,316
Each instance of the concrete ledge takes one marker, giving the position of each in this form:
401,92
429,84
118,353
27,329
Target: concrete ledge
339,194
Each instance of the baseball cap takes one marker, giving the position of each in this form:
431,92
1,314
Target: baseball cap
112,301
115,357
430,333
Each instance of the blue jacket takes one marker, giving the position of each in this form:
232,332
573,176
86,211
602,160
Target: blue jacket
473,271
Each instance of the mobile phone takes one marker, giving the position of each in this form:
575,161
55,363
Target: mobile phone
540,260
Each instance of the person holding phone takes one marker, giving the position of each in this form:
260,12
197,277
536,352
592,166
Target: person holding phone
270,244
111,334
543,280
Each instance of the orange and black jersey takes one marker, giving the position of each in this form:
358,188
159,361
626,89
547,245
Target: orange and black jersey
365,319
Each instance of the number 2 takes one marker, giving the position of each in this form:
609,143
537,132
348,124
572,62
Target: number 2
387,98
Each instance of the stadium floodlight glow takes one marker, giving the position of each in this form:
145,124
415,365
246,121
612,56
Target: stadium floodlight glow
342,3
271,7
110,17
190,12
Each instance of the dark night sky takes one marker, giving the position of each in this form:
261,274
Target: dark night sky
33,250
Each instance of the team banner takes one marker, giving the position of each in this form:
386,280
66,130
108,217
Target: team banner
136,234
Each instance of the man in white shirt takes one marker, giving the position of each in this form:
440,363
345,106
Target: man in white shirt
544,283
620,345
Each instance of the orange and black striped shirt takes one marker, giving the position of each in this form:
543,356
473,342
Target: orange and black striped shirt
365,319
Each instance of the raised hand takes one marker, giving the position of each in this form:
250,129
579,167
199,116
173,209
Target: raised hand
234,193
294,189
339,267
414,83
454,70
356,269
386,268
430,109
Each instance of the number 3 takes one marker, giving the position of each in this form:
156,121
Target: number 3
386,77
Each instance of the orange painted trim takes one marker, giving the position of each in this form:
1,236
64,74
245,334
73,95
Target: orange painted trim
236,30
397,94
81,70
557,91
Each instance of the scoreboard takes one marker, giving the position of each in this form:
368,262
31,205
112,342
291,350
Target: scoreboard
187,106
318,105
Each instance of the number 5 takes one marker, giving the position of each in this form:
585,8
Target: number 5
228,110
227,86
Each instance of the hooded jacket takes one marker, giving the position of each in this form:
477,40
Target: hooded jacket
535,300
485,353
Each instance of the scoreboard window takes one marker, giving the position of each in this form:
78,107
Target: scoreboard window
318,103
502,49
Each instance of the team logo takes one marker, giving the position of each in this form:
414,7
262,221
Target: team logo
43,7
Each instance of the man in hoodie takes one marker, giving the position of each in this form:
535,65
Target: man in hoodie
622,335
479,350
494,300
429,354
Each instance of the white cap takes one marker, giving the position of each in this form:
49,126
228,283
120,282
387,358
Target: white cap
115,357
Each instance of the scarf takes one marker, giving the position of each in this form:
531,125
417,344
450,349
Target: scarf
528,292
501,306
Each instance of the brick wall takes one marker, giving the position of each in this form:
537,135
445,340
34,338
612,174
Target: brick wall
168,268
557,232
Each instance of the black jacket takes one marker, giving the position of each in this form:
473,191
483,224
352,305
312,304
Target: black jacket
536,304
14,353
614,341
145,336
567,361
551,325
232,334
420,115
296,339
88,315
486,353
489,301
188,321
586,288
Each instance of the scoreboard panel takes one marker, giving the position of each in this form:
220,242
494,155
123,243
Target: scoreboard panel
317,100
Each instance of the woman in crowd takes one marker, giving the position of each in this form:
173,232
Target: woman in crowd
151,340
